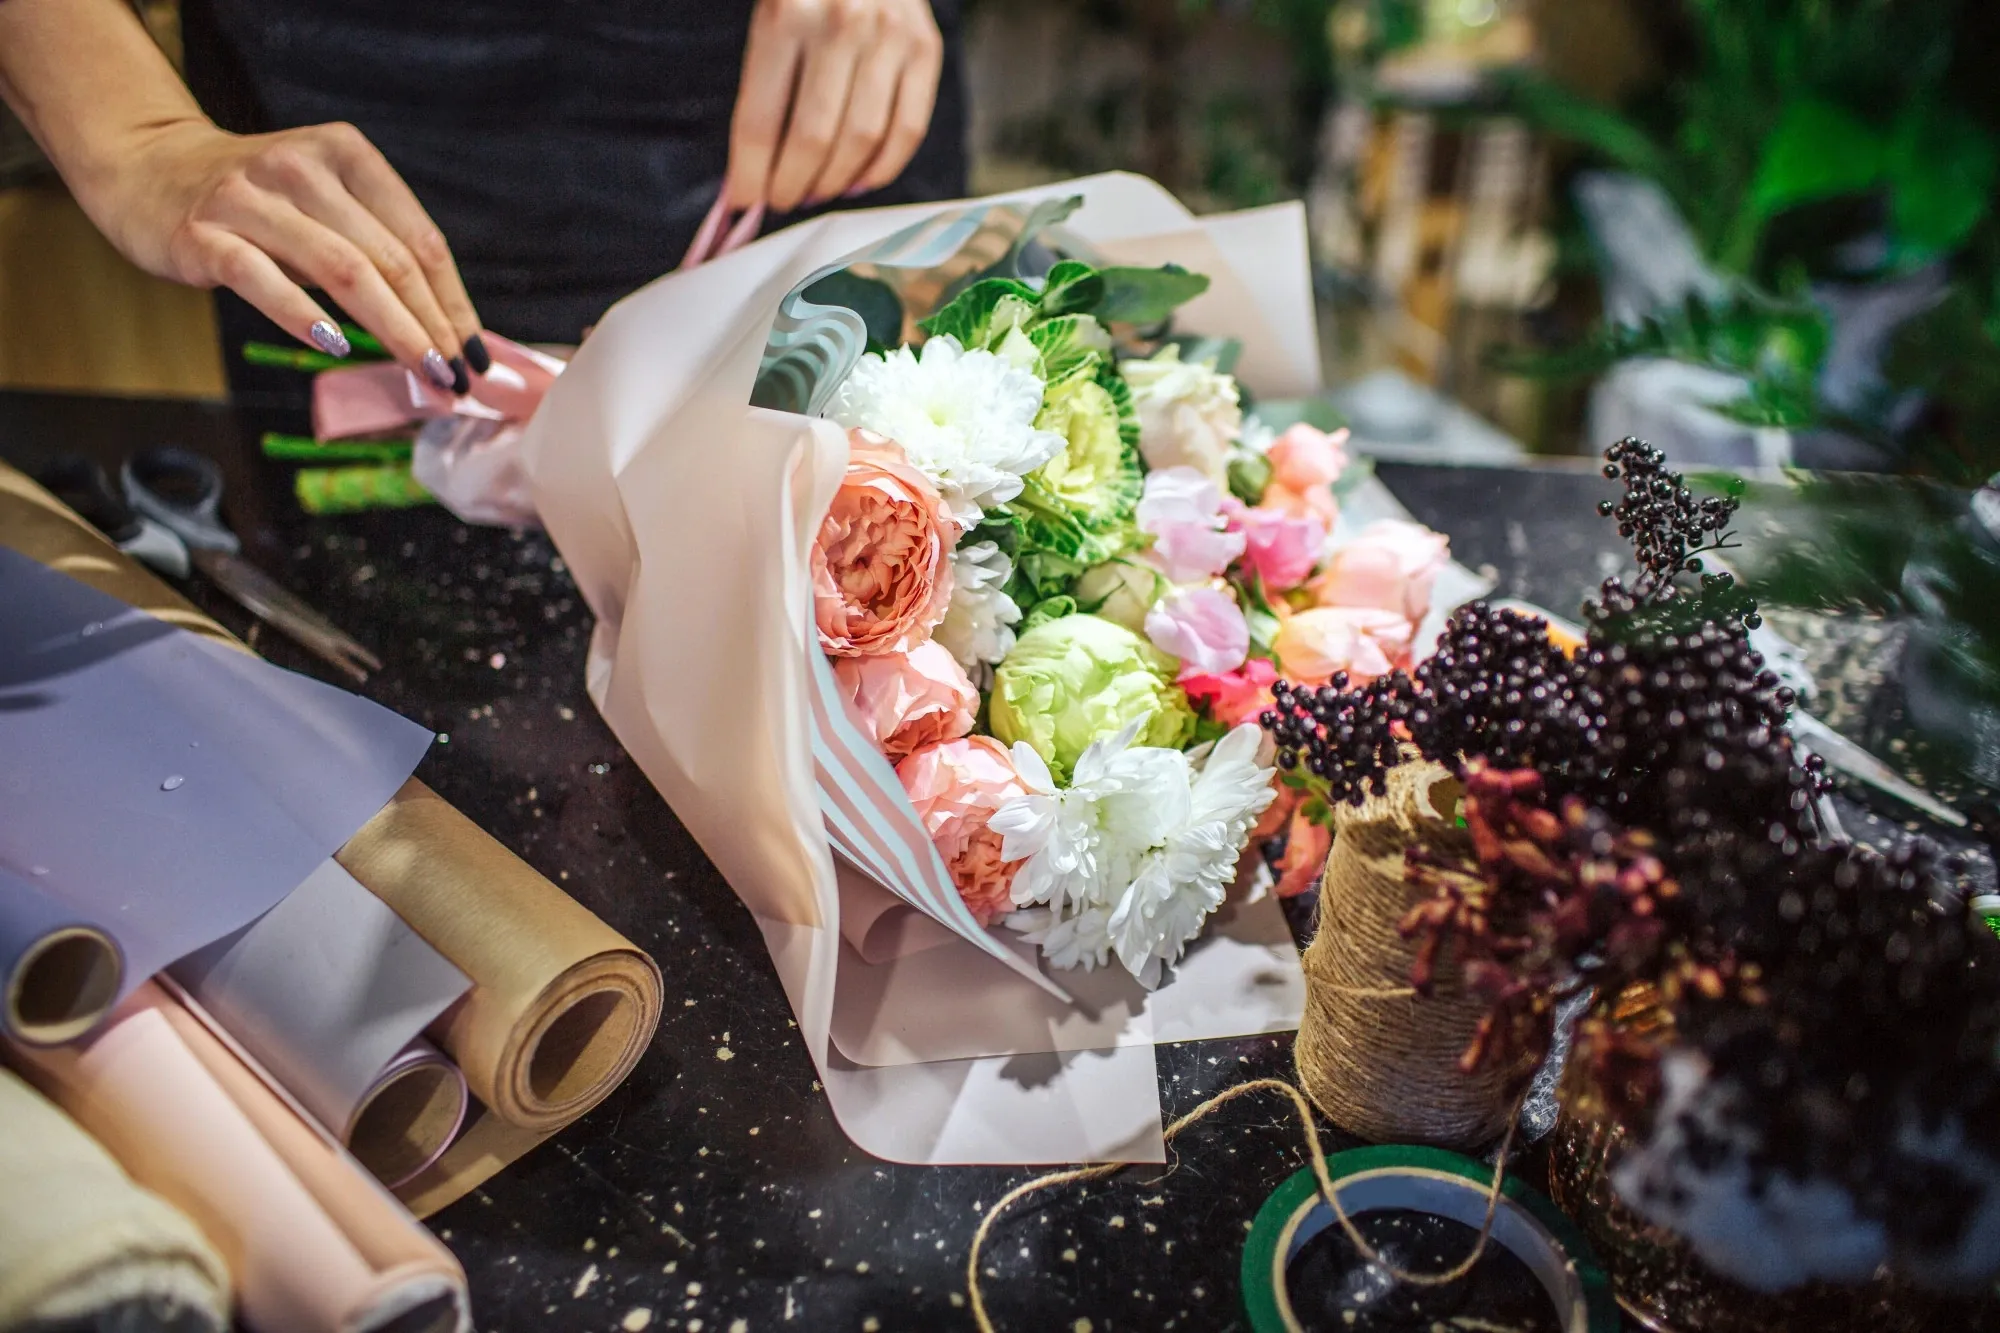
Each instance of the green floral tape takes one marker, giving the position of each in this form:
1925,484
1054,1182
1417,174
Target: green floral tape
346,490
1428,1180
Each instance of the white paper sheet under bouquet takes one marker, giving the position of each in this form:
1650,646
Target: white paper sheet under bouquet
687,515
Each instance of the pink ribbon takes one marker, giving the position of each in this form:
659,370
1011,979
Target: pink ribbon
717,236
359,402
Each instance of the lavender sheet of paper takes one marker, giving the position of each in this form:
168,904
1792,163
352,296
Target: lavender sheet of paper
327,989
162,786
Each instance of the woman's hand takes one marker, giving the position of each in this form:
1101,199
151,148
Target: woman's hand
267,215
264,215
835,99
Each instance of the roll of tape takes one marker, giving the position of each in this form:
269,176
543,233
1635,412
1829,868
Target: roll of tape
1424,1180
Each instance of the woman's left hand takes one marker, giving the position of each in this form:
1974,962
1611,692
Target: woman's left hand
835,99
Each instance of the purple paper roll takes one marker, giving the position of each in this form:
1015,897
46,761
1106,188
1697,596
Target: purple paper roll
59,971
160,787
329,992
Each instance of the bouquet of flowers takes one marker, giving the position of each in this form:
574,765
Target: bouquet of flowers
942,562
1056,583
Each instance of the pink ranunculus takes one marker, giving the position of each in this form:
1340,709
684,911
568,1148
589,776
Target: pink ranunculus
955,786
1305,462
1233,697
908,700
1281,549
1392,564
1182,510
1203,627
881,567
1363,641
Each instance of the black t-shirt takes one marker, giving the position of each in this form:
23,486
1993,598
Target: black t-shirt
567,148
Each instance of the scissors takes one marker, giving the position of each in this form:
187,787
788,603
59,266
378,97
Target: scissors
168,515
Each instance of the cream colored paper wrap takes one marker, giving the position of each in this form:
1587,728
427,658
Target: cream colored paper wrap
81,1245
687,517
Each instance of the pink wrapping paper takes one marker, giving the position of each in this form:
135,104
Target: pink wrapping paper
311,1241
686,517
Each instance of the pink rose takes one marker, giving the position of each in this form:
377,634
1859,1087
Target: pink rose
908,700
1280,548
1182,510
1391,564
1363,641
955,786
1203,627
1233,697
881,566
1304,860
1305,462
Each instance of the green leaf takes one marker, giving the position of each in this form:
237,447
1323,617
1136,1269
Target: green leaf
1941,182
1569,115
872,299
968,315
1818,150
1147,296
1073,287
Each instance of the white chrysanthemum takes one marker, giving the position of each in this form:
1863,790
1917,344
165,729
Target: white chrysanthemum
1135,853
978,627
1188,877
965,419
1189,413
1083,940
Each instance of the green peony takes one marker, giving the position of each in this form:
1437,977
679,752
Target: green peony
1080,679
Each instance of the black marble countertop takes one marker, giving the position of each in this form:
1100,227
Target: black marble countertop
713,1192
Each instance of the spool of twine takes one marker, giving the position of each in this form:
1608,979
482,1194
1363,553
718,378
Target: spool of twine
1378,1059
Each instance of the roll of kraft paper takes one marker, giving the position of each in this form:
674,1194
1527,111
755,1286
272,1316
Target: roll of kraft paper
561,1005
60,971
542,966
313,1244
330,992
82,1247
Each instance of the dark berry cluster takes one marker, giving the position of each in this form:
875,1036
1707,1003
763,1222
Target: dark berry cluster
1345,740
1500,689
1869,1056
1666,717
1669,529
1687,732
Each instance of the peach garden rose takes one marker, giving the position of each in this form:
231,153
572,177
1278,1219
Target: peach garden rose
881,567
904,701
955,787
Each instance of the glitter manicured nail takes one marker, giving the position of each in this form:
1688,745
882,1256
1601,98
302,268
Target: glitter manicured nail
437,368
326,336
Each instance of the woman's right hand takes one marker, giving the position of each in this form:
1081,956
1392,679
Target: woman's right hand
268,215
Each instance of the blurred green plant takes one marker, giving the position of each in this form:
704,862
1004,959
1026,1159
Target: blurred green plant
1795,103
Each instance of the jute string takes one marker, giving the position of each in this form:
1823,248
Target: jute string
1379,1059
1080,1174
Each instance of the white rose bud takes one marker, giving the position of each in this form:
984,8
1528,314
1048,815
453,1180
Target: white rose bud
1189,413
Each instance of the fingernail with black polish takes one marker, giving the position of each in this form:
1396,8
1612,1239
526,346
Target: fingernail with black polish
438,368
477,356
461,380
326,336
